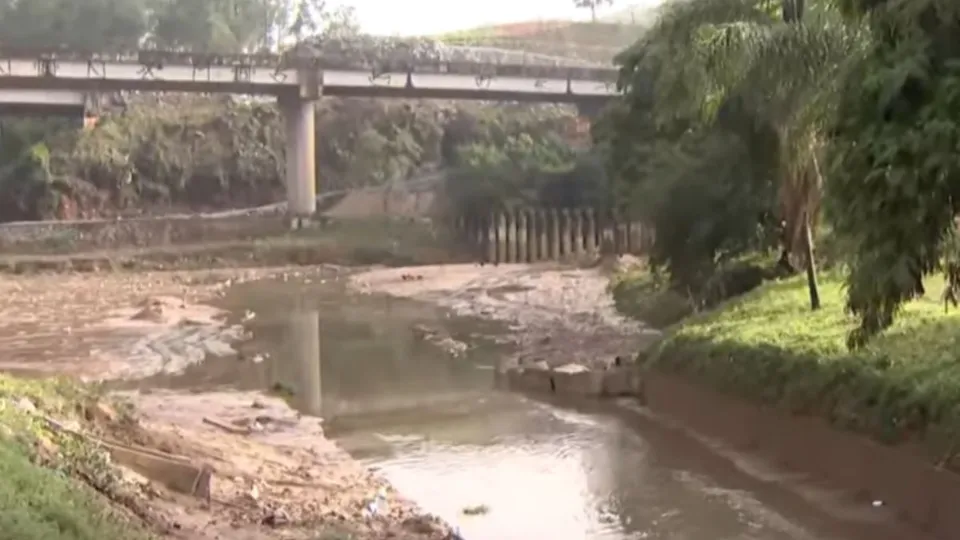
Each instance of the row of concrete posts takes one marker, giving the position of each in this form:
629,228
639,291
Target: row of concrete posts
531,235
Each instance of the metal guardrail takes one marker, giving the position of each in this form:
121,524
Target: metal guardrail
396,61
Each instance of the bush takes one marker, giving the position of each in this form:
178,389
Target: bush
652,298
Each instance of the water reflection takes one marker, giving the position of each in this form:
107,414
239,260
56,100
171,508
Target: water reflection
362,359
304,368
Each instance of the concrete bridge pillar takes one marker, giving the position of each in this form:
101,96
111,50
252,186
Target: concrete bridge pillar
301,169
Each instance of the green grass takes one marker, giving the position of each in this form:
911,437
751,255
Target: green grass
48,502
769,347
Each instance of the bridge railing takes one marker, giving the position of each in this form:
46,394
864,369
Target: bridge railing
551,234
377,61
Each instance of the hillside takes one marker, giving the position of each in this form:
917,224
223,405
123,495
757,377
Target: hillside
639,15
596,42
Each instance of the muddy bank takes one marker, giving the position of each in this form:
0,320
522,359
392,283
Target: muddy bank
557,315
104,326
275,475
879,484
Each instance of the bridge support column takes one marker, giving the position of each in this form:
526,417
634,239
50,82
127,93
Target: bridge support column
301,169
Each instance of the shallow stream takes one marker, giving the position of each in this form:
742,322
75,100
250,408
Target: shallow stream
410,391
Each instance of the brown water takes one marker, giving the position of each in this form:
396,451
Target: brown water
435,425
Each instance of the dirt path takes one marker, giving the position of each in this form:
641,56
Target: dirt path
275,475
558,315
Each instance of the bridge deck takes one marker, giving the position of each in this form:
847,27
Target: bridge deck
258,74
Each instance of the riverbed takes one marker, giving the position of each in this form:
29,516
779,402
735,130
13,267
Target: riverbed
391,376
409,389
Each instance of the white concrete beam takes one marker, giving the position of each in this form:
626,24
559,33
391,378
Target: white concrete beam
435,82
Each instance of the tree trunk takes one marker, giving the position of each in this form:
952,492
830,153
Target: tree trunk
812,284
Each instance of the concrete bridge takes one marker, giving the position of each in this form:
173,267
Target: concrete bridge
37,81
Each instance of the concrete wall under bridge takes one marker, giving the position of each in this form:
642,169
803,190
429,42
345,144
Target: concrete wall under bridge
71,103
551,234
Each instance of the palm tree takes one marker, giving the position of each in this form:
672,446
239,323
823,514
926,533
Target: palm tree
783,67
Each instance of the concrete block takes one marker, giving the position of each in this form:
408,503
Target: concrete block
176,473
575,380
619,381
529,379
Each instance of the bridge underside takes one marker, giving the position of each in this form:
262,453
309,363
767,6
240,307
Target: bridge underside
591,102
48,103
41,110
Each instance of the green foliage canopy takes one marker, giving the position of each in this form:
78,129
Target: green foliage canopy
895,179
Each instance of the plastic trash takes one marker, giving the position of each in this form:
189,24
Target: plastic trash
376,505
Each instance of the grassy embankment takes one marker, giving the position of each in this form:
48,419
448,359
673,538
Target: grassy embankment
48,474
768,346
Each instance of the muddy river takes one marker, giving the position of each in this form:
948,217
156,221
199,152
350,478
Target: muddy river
410,391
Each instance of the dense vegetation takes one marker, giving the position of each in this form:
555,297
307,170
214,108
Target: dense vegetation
152,153
741,120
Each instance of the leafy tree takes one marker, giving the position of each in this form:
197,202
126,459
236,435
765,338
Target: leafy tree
592,5
91,25
895,177
725,68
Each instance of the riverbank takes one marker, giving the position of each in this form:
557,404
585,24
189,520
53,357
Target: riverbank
132,325
220,241
768,348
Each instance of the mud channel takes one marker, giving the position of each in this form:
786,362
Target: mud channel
396,407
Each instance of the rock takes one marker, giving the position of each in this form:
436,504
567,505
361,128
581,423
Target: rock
276,518
571,368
